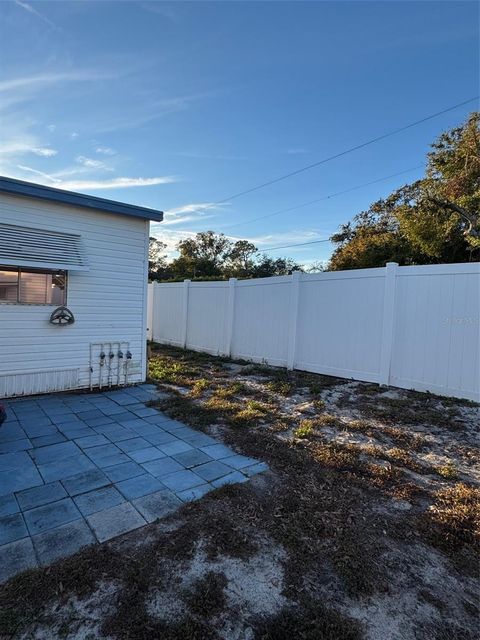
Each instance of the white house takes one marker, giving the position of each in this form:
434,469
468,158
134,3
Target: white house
73,290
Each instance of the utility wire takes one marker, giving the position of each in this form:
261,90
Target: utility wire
338,155
287,246
332,195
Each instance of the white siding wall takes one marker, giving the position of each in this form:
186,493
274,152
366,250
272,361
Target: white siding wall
411,327
108,301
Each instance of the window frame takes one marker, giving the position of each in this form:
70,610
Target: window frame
40,270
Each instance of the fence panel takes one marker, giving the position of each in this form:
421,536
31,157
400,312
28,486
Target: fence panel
412,327
261,313
436,345
340,323
167,313
206,318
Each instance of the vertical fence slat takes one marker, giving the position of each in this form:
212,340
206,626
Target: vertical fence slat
292,329
388,322
186,286
230,316
150,307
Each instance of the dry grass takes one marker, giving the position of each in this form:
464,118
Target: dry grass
455,516
329,505
206,597
309,620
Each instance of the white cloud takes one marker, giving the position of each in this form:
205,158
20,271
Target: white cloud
190,213
163,9
74,135
30,9
47,176
153,110
19,147
105,151
92,164
52,127
41,81
115,183
190,208
45,152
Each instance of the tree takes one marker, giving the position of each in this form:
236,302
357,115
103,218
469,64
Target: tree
202,255
435,219
241,259
209,255
267,266
157,261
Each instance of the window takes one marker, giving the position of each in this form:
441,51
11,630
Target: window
33,286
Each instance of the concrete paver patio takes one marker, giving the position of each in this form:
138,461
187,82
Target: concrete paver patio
80,468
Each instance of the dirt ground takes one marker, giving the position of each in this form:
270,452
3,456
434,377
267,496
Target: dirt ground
366,526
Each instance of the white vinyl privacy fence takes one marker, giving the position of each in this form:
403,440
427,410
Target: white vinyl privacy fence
410,327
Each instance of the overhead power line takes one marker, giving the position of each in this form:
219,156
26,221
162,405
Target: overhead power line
340,154
332,195
300,244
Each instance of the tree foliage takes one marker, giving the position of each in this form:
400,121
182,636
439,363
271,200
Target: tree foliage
210,255
157,260
433,220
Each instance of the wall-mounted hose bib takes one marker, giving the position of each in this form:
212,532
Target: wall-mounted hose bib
62,316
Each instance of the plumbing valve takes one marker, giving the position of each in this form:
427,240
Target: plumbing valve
129,355
102,359
120,354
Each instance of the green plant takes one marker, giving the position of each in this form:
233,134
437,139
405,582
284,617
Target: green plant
304,429
199,387
280,386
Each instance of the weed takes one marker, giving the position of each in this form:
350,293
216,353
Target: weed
247,418
222,406
305,429
362,426
339,456
447,471
280,386
455,515
169,371
402,457
255,405
199,387
258,370
233,389
327,420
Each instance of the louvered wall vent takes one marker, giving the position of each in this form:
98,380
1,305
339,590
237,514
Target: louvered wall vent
28,247
27,383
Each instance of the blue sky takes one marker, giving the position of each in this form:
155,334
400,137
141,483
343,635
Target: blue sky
178,105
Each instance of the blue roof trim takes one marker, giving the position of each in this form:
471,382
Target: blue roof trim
33,190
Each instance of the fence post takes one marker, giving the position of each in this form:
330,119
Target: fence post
150,310
186,285
230,319
292,321
388,322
